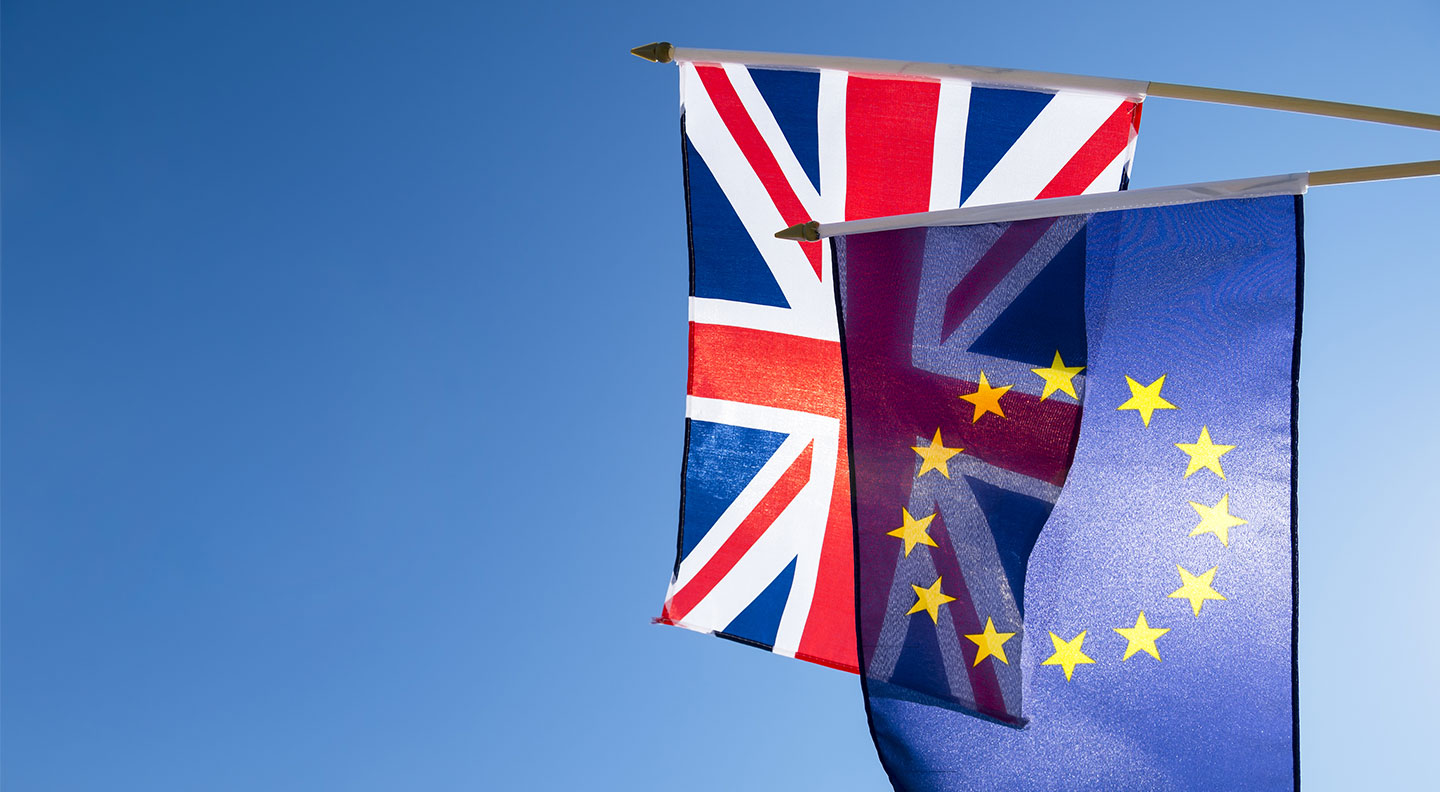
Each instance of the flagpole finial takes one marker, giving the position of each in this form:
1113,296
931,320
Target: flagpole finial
658,52
801,232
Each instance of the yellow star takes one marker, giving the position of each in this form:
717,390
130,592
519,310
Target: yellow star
1204,454
1216,519
1146,398
1141,637
1067,653
986,399
913,531
1196,588
1059,377
991,643
929,600
936,456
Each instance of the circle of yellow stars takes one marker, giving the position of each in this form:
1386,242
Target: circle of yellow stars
936,456
1197,589
1068,654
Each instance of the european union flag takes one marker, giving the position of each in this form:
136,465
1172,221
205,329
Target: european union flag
1072,442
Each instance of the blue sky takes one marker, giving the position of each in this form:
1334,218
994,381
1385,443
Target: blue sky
344,358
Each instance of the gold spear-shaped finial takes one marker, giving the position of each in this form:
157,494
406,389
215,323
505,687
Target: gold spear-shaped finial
801,232
658,52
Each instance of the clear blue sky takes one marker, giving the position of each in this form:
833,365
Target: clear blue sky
344,357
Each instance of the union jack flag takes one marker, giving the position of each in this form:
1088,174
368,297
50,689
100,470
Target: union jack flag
765,551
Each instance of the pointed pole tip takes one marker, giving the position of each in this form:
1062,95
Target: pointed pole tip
657,52
801,232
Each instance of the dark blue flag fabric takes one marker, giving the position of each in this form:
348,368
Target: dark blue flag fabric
1072,444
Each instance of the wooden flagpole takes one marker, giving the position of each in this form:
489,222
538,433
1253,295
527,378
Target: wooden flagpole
1296,184
664,52
1295,104
1400,170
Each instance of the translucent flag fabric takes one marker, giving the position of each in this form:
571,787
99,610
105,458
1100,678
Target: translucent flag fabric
764,554
1073,460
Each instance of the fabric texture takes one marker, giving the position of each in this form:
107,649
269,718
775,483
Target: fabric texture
1093,418
764,554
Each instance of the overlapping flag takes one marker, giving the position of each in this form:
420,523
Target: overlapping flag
1125,379
1024,459
764,554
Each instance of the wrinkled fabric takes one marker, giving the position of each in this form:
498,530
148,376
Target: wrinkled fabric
1187,519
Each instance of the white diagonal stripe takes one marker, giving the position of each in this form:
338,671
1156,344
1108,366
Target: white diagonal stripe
811,300
1045,147
779,145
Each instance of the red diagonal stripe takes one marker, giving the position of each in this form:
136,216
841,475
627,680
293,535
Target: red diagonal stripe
773,369
752,144
1098,152
992,268
745,536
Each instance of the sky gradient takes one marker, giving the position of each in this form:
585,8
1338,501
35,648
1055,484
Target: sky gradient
343,372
